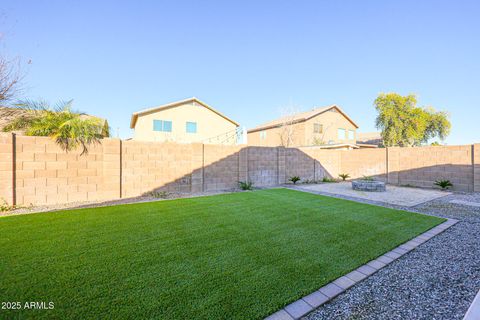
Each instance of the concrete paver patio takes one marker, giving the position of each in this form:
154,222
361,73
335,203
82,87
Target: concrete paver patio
401,196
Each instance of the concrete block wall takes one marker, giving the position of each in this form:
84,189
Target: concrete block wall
393,165
6,168
222,167
300,164
327,163
34,170
365,162
476,167
152,166
263,165
422,166
47,175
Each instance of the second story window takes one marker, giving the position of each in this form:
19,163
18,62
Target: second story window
351,135
162,125
263,135
341,134
191,127
317,128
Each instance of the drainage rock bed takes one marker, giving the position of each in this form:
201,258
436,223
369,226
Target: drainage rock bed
438,280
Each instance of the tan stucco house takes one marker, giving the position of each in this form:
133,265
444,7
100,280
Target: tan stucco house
185,121
328,127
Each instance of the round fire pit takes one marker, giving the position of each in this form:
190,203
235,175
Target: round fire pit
368,185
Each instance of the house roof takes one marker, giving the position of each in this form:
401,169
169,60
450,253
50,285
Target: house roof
300,117
374,138
335,146
135,115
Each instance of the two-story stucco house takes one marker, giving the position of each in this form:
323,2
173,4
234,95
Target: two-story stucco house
328,127
184,121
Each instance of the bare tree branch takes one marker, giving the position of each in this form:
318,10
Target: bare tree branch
287,127
10,79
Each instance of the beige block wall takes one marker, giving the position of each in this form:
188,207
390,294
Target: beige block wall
299,164
327,162
221,167
6,168
150,166
209,124
422,166
263,168
393,165
476,167
364,162
45,174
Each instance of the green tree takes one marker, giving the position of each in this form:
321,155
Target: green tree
68,128
403,123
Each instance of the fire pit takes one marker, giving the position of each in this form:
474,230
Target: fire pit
369,185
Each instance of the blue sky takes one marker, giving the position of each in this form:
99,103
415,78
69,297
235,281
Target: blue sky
249,59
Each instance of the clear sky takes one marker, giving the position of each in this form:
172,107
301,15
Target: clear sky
249,59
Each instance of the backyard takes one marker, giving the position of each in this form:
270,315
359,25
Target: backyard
238,255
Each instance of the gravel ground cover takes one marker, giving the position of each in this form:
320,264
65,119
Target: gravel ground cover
96,204
438,280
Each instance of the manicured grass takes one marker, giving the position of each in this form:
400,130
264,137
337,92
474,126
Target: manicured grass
233,256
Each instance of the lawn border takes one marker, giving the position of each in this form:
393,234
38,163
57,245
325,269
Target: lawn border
310,302
473,311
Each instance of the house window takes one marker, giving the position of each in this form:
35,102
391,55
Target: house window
317,128
341,134
351,135
263,135
162,125
191,127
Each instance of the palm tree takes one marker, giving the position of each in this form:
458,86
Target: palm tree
68,128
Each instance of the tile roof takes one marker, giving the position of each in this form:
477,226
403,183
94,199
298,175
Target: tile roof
300,117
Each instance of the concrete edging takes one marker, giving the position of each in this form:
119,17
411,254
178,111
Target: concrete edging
473,312
307,304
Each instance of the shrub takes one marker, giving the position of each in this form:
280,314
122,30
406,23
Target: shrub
328,180
294,179
367,178
344,176
4,206
308,181
245,185
444,184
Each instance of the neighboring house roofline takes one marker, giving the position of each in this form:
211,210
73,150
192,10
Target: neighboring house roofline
301,117
334,146
135,115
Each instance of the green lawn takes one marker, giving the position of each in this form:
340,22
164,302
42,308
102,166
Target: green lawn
233,256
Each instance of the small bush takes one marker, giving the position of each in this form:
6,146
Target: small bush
328,180
4,206
308,181
159,194
245,185
294,179
344,176
367,178
444,184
